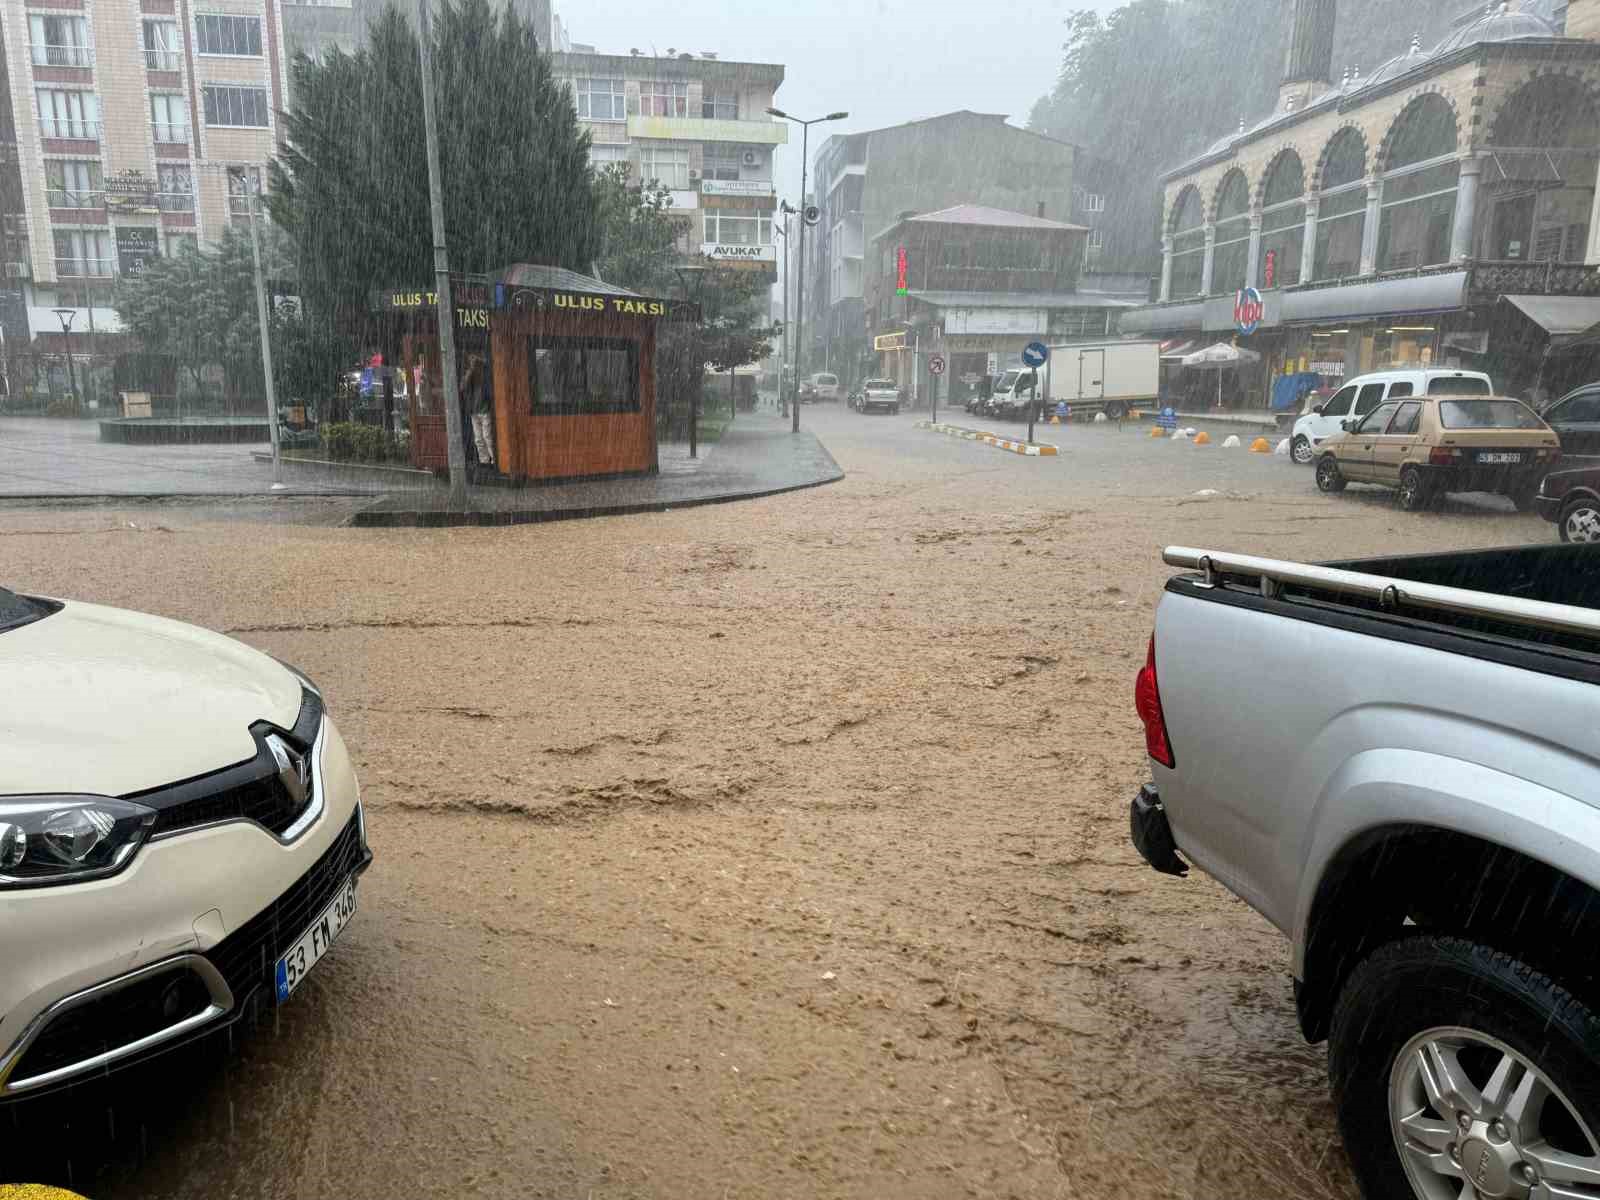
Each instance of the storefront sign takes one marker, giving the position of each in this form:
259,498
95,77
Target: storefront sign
1019,321
1331,367
136,248
901,286
130,191
889,341
470,298
1247,311
736,187
1269,269
558,300
725,252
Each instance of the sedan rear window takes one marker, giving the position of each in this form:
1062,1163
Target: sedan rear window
827,380
1487,414
880,385
1457,385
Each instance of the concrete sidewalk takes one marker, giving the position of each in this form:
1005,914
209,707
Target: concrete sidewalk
757,456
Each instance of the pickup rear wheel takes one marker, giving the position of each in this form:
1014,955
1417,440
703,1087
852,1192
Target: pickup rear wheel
1459,1070
1329,477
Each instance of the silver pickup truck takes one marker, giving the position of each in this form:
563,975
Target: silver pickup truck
1397,762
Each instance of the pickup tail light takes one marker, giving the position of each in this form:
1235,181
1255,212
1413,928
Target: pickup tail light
1444,456
1147,701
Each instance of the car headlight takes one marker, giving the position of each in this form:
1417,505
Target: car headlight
67,839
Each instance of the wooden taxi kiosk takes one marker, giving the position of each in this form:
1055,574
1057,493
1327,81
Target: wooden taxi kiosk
574,374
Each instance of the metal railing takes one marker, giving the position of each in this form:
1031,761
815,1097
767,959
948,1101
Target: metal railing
85,268
64,127
162,60
1271,575
175,202
62,56
170,132
71,198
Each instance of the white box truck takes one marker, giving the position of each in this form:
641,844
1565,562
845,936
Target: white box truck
1113,377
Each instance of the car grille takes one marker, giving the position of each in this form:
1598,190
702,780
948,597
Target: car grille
247,956
249,790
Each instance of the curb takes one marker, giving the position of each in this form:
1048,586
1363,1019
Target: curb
1030,450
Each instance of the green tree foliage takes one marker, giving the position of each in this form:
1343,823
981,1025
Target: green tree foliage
638,235
351,184
176,306
736,328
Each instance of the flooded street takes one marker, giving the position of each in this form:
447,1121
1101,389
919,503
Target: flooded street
776,849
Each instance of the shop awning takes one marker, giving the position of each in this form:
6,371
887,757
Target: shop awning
1559,316
1177,348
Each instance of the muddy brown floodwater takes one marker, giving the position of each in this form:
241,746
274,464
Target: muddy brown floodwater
769,850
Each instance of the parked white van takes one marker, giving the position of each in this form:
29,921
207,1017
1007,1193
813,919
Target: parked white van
1365,392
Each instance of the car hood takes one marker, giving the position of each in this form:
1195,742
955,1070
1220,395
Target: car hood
106,701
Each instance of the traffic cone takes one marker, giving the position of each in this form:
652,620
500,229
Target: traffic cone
1260,446
1202,438
1155,431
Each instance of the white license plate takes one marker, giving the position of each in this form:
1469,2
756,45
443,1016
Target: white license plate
1499,458
294,966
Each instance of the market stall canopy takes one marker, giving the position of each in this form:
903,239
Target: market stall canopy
1220,357
1174,350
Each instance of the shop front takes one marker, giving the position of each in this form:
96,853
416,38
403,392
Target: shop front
1315,339
417,381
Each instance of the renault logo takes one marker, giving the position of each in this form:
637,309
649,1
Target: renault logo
294,772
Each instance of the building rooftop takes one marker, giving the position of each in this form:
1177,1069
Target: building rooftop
537,275
998,218
635,63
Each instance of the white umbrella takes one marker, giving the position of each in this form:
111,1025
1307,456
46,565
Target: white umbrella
1222,356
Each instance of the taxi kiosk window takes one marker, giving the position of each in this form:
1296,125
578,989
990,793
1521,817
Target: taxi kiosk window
570,376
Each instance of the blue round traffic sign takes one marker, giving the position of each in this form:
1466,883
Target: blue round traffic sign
1035,353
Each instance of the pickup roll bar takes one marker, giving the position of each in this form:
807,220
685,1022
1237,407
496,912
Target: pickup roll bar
1271,575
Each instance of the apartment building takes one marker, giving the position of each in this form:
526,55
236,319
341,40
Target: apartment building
138,126
866,182
699,126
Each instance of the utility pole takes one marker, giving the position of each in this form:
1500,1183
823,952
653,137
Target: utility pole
253,198
457,451
65,316
800,284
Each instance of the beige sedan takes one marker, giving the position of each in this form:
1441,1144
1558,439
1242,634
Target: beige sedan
1424,446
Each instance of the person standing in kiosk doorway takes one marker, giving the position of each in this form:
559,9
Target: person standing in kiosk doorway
477,410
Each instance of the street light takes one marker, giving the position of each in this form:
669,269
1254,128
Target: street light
685,273
800,283
65,316
253,195
786,209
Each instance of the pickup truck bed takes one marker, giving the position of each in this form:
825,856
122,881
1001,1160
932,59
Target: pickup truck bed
1397,762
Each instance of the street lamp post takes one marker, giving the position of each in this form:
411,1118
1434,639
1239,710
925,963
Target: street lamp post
65,316
685,273
253,198
800,283
785,208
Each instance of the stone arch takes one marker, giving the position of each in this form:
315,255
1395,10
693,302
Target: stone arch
1341,145
1181,207
1429,104
1555,104
1272,176
1233,189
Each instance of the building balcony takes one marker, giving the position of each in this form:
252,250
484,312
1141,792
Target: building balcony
163,60
697,129
175,202
85,268
45,55
65,198
54,130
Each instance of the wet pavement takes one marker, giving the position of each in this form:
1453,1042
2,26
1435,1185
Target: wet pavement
757,456
773,849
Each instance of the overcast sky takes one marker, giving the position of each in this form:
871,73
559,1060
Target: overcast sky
883,61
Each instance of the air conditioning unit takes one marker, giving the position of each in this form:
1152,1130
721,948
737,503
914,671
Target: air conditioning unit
693,175
752,158
16,270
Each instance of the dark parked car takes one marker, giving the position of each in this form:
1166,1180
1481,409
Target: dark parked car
1572,500
1576,419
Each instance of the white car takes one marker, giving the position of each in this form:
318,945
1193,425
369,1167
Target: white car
825,386
180,837
1365,392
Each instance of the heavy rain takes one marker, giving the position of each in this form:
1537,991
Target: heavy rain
858,600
